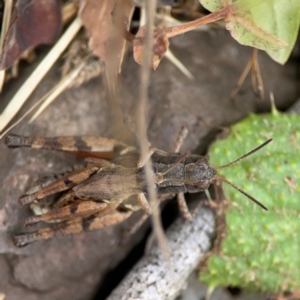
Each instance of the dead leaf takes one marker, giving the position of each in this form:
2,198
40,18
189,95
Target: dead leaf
106,22
33,23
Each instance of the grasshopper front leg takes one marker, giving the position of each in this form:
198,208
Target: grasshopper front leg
182,205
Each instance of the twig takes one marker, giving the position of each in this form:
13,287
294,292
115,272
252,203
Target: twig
256,79
241,81
142,127
188,243
215,16
38,74
257,82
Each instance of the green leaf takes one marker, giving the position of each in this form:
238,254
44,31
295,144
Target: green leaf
261,251
212,5
263,24
282,18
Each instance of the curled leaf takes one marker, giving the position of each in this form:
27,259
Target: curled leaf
160,46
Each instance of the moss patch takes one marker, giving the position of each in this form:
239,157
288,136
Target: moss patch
262,249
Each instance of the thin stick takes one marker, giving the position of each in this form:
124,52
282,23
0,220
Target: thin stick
27,113
176,30
38,74
241,80
142,127
257,75
245,155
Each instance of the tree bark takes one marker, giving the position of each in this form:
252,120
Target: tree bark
152,278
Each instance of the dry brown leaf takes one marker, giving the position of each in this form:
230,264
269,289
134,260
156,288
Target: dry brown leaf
160,46
33,23
106,22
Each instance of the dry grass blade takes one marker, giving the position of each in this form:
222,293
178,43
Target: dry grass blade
80,66
38,74
177,63
5,25
57,90
24,116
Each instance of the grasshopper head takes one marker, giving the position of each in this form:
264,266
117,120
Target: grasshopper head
200,173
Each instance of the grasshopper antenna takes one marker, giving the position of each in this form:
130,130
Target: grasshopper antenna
241,191
244,156
234,162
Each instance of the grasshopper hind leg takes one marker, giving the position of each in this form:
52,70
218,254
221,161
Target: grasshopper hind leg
44,206
78,225
64,183
71,211
73,144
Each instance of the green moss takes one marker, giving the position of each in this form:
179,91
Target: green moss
262,249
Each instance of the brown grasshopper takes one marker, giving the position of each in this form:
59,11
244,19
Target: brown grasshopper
93,197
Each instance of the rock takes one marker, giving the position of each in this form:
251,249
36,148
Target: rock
72,267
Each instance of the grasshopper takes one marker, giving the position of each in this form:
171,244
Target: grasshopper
94,197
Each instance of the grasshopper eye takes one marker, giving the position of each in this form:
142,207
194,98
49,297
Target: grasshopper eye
201,168
203,184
